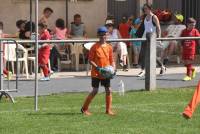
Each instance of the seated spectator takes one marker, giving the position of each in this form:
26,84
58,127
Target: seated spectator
78,28
136,44
173,30
118,47
20,24
47,12
60,33
29,29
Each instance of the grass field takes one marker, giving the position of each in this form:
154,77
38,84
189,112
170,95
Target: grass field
156,112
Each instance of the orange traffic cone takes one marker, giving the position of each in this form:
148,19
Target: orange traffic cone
86,104
189,110
109,105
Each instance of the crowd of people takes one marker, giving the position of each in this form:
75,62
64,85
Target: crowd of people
149,23
128,28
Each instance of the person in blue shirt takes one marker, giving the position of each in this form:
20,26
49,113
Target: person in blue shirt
136,44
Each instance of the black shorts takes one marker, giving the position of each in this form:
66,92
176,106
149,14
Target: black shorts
104,82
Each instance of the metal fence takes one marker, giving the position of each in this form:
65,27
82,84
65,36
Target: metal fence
3,91
150,79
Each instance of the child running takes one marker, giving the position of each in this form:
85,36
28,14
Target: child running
189,48
100,56
44,51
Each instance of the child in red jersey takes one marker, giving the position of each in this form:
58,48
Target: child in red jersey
44,51
189,48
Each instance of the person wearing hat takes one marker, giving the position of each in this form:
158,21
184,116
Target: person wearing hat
100,56
119,48
173,30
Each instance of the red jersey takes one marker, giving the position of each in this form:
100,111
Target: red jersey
189,46
44,51
45,35
124,30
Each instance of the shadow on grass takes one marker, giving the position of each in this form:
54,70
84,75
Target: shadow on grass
55,114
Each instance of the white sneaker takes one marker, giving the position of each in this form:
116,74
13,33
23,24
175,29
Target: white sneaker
45,79
121,63
141,74
163,70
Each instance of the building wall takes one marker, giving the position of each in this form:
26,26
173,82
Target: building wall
174,6
13,10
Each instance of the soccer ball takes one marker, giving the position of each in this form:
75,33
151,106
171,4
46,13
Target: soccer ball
109,72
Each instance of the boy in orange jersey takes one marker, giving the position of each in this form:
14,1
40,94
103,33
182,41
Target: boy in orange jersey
100,56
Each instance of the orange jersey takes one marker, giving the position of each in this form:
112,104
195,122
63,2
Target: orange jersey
102,55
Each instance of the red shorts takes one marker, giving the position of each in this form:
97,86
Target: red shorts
43,55
188,56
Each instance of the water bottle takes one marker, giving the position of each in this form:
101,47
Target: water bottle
121,88
33,35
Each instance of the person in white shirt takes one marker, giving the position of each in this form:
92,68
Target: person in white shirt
151,25
119,48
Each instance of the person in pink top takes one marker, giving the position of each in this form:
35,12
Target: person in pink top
60,32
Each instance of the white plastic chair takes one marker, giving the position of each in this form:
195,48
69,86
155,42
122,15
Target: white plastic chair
10,56
76,50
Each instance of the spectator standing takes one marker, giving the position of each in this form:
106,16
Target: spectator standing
124,29
136,44
151,24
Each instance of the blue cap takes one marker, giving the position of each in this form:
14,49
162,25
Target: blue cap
102,29
137,21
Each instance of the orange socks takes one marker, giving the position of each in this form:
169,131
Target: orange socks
109,105
193,103
88,100
86,104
